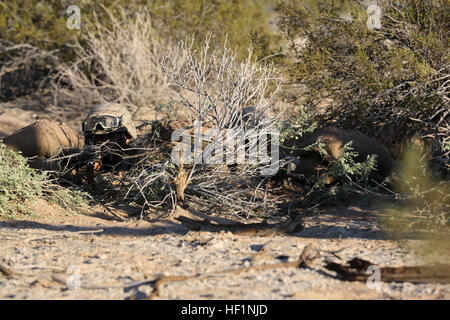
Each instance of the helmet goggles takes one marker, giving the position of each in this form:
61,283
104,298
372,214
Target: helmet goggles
102,122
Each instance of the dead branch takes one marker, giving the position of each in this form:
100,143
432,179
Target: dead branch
303,262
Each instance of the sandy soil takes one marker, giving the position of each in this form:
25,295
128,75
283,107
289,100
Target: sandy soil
90,255
56,255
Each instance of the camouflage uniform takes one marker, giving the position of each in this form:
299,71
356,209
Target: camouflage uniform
51,145
43,140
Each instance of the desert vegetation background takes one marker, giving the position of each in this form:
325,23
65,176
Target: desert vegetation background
304,64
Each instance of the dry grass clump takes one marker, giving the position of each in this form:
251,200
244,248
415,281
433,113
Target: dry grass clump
120,61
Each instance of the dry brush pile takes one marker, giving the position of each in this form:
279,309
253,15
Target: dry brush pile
121,62
224,96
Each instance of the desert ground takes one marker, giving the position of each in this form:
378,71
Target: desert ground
91,255
106,252
124,259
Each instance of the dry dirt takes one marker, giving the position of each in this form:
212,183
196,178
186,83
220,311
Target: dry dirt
90,255
52,252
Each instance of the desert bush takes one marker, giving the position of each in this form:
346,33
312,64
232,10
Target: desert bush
70,198
33,35
335,181
122,62
350,180
215,86
215,89
243,23
423,199
118,55
221,93
20,183
390,82
43,25
23,69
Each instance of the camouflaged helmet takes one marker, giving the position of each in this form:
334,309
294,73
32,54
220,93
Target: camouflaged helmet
107,118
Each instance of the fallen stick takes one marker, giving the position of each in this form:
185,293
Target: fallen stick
292,225
35,266
9,274
302,262
356,270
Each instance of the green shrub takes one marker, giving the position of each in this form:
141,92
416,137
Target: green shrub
39,23
242,22
424,200
67,197
350,180
343,178
389,82
422,209
18,182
